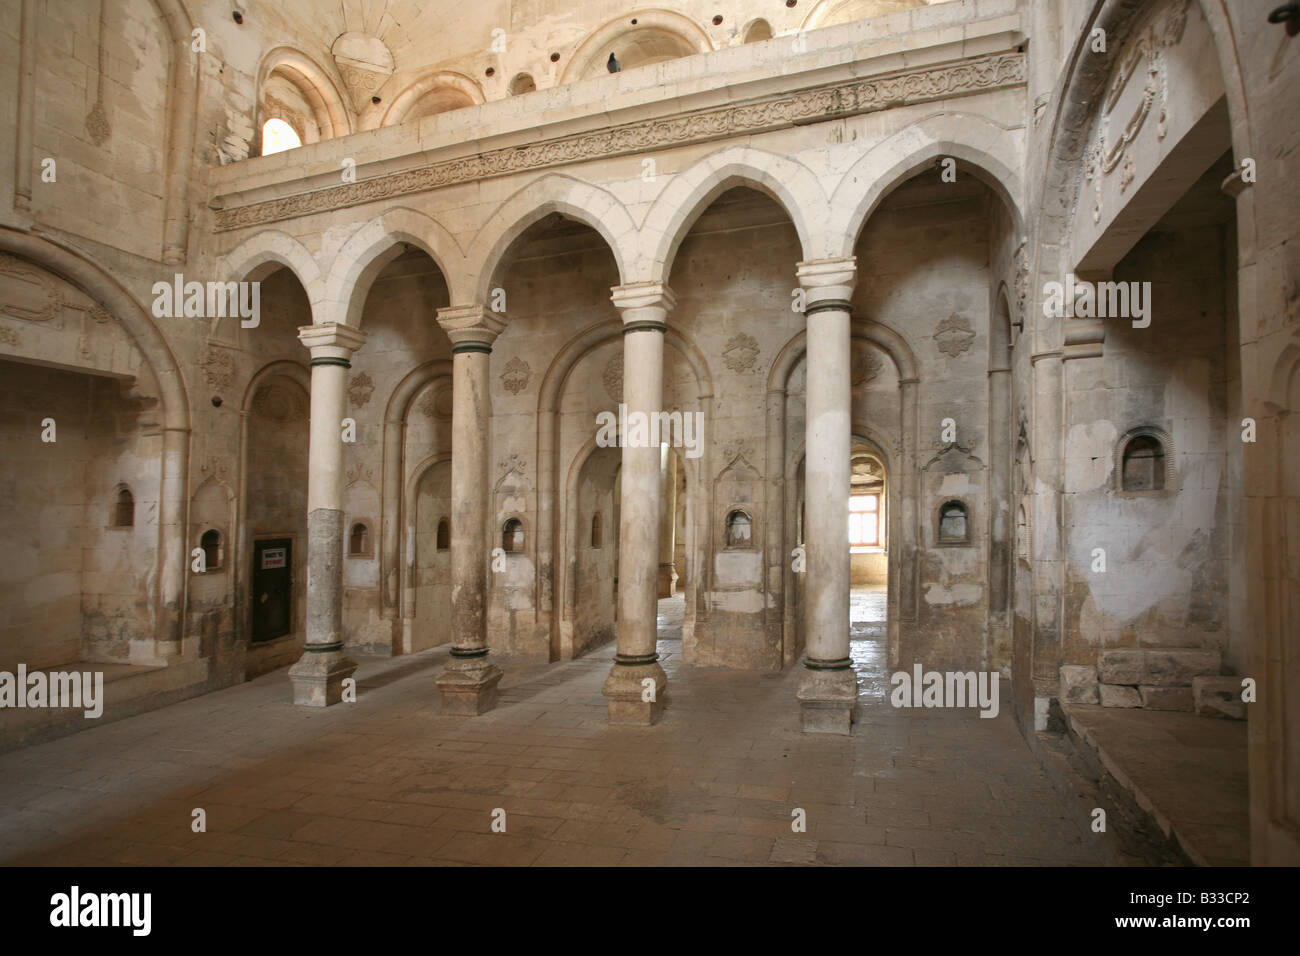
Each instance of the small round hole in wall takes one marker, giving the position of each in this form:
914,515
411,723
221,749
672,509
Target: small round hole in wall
717,20
634,21
791,3
216,401
375,99
555,58
239,17
489,71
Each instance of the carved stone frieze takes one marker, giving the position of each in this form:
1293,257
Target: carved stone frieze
973,75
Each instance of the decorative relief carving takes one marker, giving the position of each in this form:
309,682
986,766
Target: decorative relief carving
740,353
954,335
856,96
866,365
360,389
215,467
516,375
10,337
1022,284
437,403
360,473
29,293
613,378
1145,56
218,368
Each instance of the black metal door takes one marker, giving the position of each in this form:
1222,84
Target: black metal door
272,588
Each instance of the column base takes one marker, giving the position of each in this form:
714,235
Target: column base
469,686
667,580
626,692
318,676
827,698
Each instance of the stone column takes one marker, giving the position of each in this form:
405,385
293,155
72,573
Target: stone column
318,676
469,682
828,688
667,521
645,308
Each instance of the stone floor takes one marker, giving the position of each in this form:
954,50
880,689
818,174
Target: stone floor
388,780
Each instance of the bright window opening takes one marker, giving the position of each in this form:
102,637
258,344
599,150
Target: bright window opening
864,521
277,136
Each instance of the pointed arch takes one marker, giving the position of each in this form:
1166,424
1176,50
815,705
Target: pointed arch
788,182
262,253
986,150
555,192
374,246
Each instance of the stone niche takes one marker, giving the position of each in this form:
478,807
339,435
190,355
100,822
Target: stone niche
512,614
737,634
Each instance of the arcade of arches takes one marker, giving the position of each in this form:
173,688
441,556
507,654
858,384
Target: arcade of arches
818,244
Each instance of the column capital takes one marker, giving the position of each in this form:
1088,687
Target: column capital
474,326
644,305
331,343
827,283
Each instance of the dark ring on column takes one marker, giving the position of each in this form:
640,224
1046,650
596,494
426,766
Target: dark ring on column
471,347
645,325
330,360
829,305
323,648
841,664
635,660
469,652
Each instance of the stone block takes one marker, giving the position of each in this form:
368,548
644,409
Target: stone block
1218,697
1166,698
1119,695
1120,666
1078,684
1178,667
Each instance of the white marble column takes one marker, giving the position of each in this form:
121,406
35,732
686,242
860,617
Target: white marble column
645,307
828,688
469,682
318,676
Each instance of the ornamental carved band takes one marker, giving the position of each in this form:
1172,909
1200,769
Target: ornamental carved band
975,75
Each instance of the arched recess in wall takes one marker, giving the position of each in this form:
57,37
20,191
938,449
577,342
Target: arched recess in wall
756,31
588,580
637,39
174,413
431,94
398,510
276,400
788,183
554,518
426,568
903,532
828,13
292,87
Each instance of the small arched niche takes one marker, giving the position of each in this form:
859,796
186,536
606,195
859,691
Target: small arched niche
522,83
213,552
758,31
443,535
597,531
953,523
1143,462
360,544
123,509
512,536
739,529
